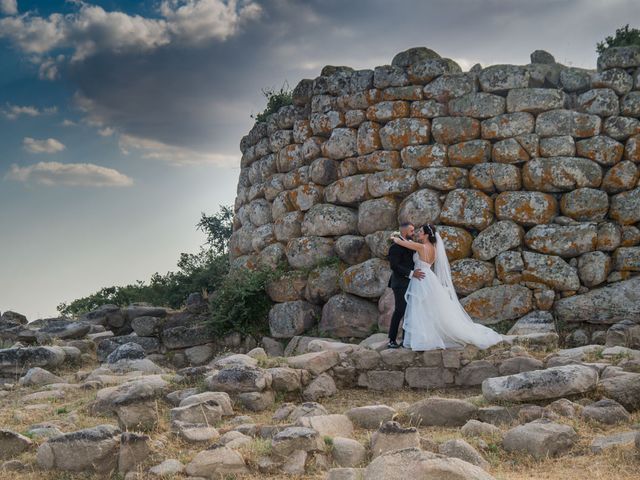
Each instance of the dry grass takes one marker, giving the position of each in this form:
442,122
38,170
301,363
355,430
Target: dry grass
70,413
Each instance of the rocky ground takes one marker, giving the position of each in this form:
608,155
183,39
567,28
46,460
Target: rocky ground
561,414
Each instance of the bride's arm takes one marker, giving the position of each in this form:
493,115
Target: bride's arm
408,244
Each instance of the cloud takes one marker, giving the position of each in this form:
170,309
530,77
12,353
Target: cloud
68,174
9,7
152,149
196,21
93,30
12,112
48,145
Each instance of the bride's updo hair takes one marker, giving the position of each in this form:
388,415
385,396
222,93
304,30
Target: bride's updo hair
430,231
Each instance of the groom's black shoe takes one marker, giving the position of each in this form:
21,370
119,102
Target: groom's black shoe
392,344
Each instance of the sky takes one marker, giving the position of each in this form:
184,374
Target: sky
120,121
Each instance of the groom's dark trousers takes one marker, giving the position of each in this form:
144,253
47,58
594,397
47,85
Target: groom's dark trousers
401,261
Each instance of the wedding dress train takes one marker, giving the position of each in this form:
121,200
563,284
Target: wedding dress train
434,317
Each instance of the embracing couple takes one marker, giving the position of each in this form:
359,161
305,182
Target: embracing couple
433,316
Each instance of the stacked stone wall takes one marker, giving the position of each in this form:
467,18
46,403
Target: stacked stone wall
530,173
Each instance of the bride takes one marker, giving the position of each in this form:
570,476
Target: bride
434,317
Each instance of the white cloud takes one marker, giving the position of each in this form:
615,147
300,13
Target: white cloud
68,123
196,21
106,132
92,29
14,111
49,68
177,156
68,174
47,145
9,7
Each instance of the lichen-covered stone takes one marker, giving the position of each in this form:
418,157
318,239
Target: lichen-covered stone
509,151
560,146
501,78
627,259
398,181
507,125
563,240
567,122
625,207
491,177
341,144
606,305
420,208
368,279
443,178
457,241
449,86
469,275
347,191
477,105
467,154
467,208
494,304
602,149
286,320
593,268
622,176
585,204
388,110
379,161
377,214
306,252
352,249
346,315
558,174
550,270
326,220
497,238
615,78
403,132
423,156
450,130
526,208
599,101
534,100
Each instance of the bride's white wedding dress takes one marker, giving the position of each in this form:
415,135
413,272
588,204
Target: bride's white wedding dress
434,317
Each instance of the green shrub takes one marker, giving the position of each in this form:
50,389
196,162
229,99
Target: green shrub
241,304
624,37
275,100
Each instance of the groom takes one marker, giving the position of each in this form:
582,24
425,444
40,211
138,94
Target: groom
401,260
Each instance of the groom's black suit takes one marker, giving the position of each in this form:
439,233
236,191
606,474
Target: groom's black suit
401,260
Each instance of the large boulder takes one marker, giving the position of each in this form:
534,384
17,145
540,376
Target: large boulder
416,463
368,279
467,208
239,379
540,439
497,238
326,220
606,305
435,411
624,389
494,304
12,444
563,240
218,461
89,450
286,320
526,208
555,382
21,359
347,315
